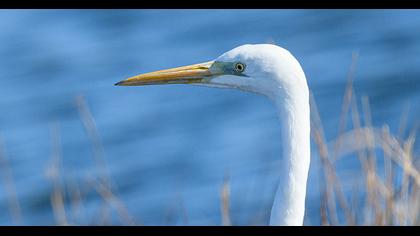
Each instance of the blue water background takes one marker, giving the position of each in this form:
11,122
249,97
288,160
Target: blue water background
168,148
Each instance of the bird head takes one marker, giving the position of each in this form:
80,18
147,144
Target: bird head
259,68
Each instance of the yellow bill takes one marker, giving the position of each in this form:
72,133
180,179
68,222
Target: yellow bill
181,75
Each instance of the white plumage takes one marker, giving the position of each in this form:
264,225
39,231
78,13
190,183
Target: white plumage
274,72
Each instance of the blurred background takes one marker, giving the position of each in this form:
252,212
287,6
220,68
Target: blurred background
75,149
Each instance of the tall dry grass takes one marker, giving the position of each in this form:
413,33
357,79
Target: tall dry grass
388,195
100,185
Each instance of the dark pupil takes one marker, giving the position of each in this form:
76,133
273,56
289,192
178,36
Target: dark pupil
239,67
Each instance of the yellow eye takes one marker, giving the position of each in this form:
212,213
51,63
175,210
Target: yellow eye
239,67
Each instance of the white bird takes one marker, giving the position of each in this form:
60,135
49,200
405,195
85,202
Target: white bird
274,72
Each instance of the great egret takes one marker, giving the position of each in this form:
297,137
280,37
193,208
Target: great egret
274,72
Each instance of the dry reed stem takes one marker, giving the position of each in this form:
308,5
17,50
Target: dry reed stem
346,100
10,188
112,200
333,189
53,173
105,188
90,127
317,133
225,196
76,201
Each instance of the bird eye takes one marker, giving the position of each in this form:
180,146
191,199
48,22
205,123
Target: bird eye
239,67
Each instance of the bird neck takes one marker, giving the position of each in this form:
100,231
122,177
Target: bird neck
289,203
